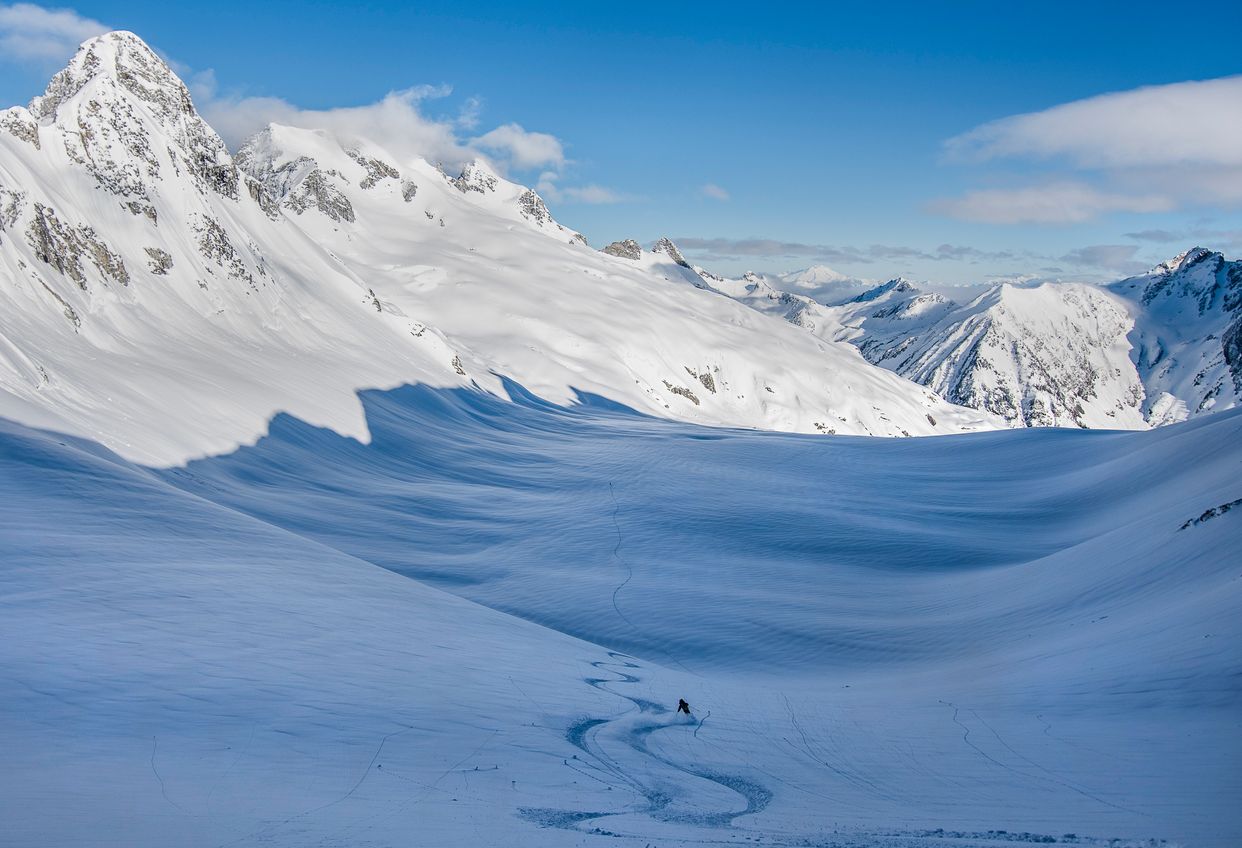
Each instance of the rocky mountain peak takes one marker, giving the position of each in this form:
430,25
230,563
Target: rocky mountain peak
125,60
666,247
1184,260
476,176
627,249
898,285
125,116
1196,277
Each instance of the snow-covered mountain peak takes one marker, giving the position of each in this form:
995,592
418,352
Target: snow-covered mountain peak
1188,333
124,59
171,298
477,176
758,286
1195,278
1183,260
125,117
815,275
666,247
896,286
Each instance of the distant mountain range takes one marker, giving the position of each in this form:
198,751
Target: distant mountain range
1149,350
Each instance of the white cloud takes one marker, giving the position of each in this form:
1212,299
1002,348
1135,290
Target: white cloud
468,114
524,149
399,125
1054,203
592,194
714,191
395,122
1229,238
1112,257
1179,124
1150,149
30,32
735,248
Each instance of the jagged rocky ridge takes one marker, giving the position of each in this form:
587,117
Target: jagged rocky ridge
1187,336
167,298
1146,351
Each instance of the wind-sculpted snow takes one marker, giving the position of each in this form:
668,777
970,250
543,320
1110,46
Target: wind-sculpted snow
893,643
514,480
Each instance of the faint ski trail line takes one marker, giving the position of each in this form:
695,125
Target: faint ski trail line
451,768
1028,775
215,784
532,701
427,788
853,778
163,789
616,555
269,828
1056,778
367,770
700,725
966,738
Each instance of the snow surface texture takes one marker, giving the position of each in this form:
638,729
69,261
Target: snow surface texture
460,612
135,251
1147,351
884,642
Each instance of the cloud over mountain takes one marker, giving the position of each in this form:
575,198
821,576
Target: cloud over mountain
28,32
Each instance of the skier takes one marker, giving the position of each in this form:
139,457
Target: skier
682,706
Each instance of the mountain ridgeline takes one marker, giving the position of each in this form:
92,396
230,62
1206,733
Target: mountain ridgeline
168,297
1146,351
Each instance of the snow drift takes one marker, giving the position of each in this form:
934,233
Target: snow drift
885,642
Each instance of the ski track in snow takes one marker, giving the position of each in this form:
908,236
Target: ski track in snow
616,555
586,734
163,787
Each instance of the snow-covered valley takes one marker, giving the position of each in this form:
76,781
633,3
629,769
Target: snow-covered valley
347,502
1020,631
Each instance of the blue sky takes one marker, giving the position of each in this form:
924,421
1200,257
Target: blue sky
767,136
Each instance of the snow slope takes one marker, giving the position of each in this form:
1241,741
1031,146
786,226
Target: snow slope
1188,334
1055,355
1032,632
167,299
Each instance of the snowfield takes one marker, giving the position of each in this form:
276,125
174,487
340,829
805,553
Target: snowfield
344,502
1019,631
